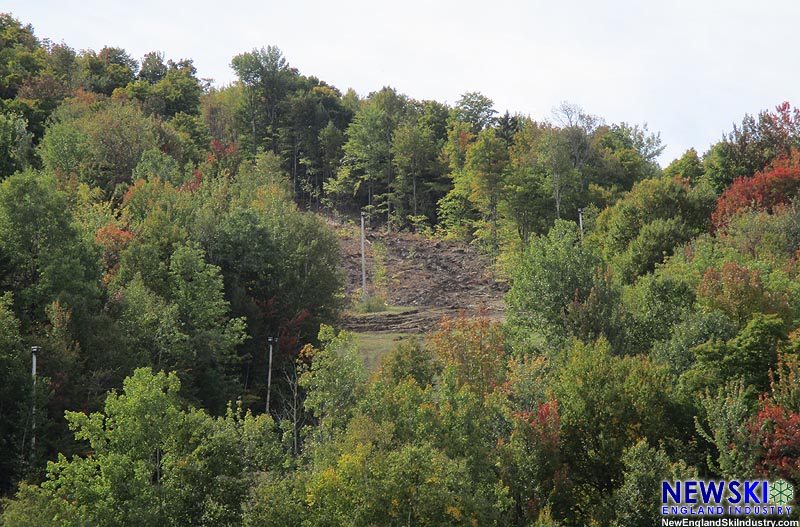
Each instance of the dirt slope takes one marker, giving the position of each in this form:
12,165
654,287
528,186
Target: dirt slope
424,280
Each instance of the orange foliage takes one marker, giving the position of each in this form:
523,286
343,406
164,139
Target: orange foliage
475,346
113,239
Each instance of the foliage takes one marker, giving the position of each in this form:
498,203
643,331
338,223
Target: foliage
763,191
752,146
555,271
728,413
152,461
15,144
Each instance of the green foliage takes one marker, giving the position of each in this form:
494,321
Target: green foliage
748,356
44,258
728,414
15,144
153,462
637,499
688,167
644,227
474,109
554,271
655,242
21,55
607,404
167,230
409,360
155,164
100,142
334,379
15,390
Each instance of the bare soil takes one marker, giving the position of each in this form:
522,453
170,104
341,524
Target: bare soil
425,280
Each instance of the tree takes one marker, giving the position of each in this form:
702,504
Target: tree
153,68
167,92
475,347
526,196
688,167
748,356
15,390
21,55
153,461
414,153
775,426
637,499
368,150
44,258
101,145
476,110
675,211
554,271
728,416
212,335
485,164
764,191
334,380
753,145
562,175
15,144
105,71
739,293
633,151
266,76
607,404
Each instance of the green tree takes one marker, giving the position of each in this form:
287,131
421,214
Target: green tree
153,461
637,499
334,381
485,164
21,55
688,167
15,390
476,110
608,404
44,258
266,77
553,271
15,144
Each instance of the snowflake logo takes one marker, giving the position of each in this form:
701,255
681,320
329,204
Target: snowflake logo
781,492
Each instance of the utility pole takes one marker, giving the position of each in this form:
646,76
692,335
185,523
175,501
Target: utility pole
34,351
271,340
363,262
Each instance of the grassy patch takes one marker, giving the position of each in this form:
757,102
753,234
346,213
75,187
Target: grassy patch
373,346
384,311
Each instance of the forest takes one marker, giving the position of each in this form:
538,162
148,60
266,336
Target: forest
158,234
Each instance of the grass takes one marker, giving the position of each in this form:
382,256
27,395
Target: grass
384,311
373,346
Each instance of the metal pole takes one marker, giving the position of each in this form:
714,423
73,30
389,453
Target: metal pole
34,351
269,372
363,262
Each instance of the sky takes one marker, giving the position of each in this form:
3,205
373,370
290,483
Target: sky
687,69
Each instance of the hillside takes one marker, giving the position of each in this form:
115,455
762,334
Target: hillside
425,280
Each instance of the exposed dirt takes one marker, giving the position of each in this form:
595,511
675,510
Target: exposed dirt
424,280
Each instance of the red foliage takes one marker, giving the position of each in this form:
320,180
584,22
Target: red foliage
764,191
289,337
113,239
545,422
224,158
779,431
194,184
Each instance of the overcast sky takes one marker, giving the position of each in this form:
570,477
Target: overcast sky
688,69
